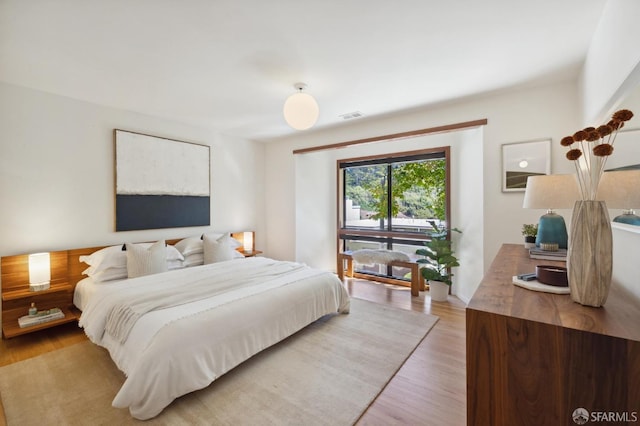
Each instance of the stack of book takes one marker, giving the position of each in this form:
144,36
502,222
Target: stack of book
559,255
40,317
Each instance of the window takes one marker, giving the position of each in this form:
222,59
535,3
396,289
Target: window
387,202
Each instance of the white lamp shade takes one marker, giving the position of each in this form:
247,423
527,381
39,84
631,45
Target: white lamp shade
247,241
39,268
551,192
301,111
620,189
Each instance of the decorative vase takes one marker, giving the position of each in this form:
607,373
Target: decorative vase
438,291
589,257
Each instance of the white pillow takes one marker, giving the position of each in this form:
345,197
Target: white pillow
198,258
143,260
116,257
174,264
189,246
193,260
109,274
216,236
108,257
173,253
217,250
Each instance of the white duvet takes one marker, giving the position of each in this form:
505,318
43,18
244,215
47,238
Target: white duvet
178,349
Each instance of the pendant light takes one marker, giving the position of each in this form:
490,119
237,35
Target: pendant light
301,109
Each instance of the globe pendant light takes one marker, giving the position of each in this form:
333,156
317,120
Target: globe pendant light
301,109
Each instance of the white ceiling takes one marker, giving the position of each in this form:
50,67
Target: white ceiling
231,64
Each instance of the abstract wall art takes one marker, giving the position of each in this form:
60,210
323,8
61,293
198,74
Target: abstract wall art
160,182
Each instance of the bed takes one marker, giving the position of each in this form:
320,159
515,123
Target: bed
175,332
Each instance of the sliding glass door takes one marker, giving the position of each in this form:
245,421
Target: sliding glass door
388,202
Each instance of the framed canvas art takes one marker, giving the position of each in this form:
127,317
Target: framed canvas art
523,159
160,182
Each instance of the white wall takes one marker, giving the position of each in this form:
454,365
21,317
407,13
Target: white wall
612,67
57,174
315,210
626,260
611,80
611,72
626,238
56,157
466,205
541,112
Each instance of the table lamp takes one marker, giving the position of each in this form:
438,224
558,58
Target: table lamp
39,271
620,189
247,241
551,192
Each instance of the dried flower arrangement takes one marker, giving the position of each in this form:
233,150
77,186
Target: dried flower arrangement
589,161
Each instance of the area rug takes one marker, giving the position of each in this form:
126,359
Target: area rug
328,373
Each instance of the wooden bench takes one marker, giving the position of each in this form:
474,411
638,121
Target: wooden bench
417,282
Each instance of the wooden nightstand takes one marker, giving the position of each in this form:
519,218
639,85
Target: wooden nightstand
16,303
240,237
251,253
17,298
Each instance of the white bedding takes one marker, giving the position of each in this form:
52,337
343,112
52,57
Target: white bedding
88,288
179,349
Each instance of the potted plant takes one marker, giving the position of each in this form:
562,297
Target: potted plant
438,259
530,231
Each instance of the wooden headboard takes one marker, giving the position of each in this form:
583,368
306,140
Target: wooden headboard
75,267
65,266
66,272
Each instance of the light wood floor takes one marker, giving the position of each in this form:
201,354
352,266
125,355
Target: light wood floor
429,389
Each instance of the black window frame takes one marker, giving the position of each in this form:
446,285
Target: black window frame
388,236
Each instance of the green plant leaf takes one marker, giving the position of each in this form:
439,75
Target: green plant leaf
438,255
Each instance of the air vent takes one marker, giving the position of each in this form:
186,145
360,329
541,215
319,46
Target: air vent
351,115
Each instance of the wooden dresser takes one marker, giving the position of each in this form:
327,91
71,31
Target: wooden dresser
533,358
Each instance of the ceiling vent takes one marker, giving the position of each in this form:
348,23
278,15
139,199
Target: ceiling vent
351,115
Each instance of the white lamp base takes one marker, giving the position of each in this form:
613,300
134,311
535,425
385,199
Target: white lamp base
39,286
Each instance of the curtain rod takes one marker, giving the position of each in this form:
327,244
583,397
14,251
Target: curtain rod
402,135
